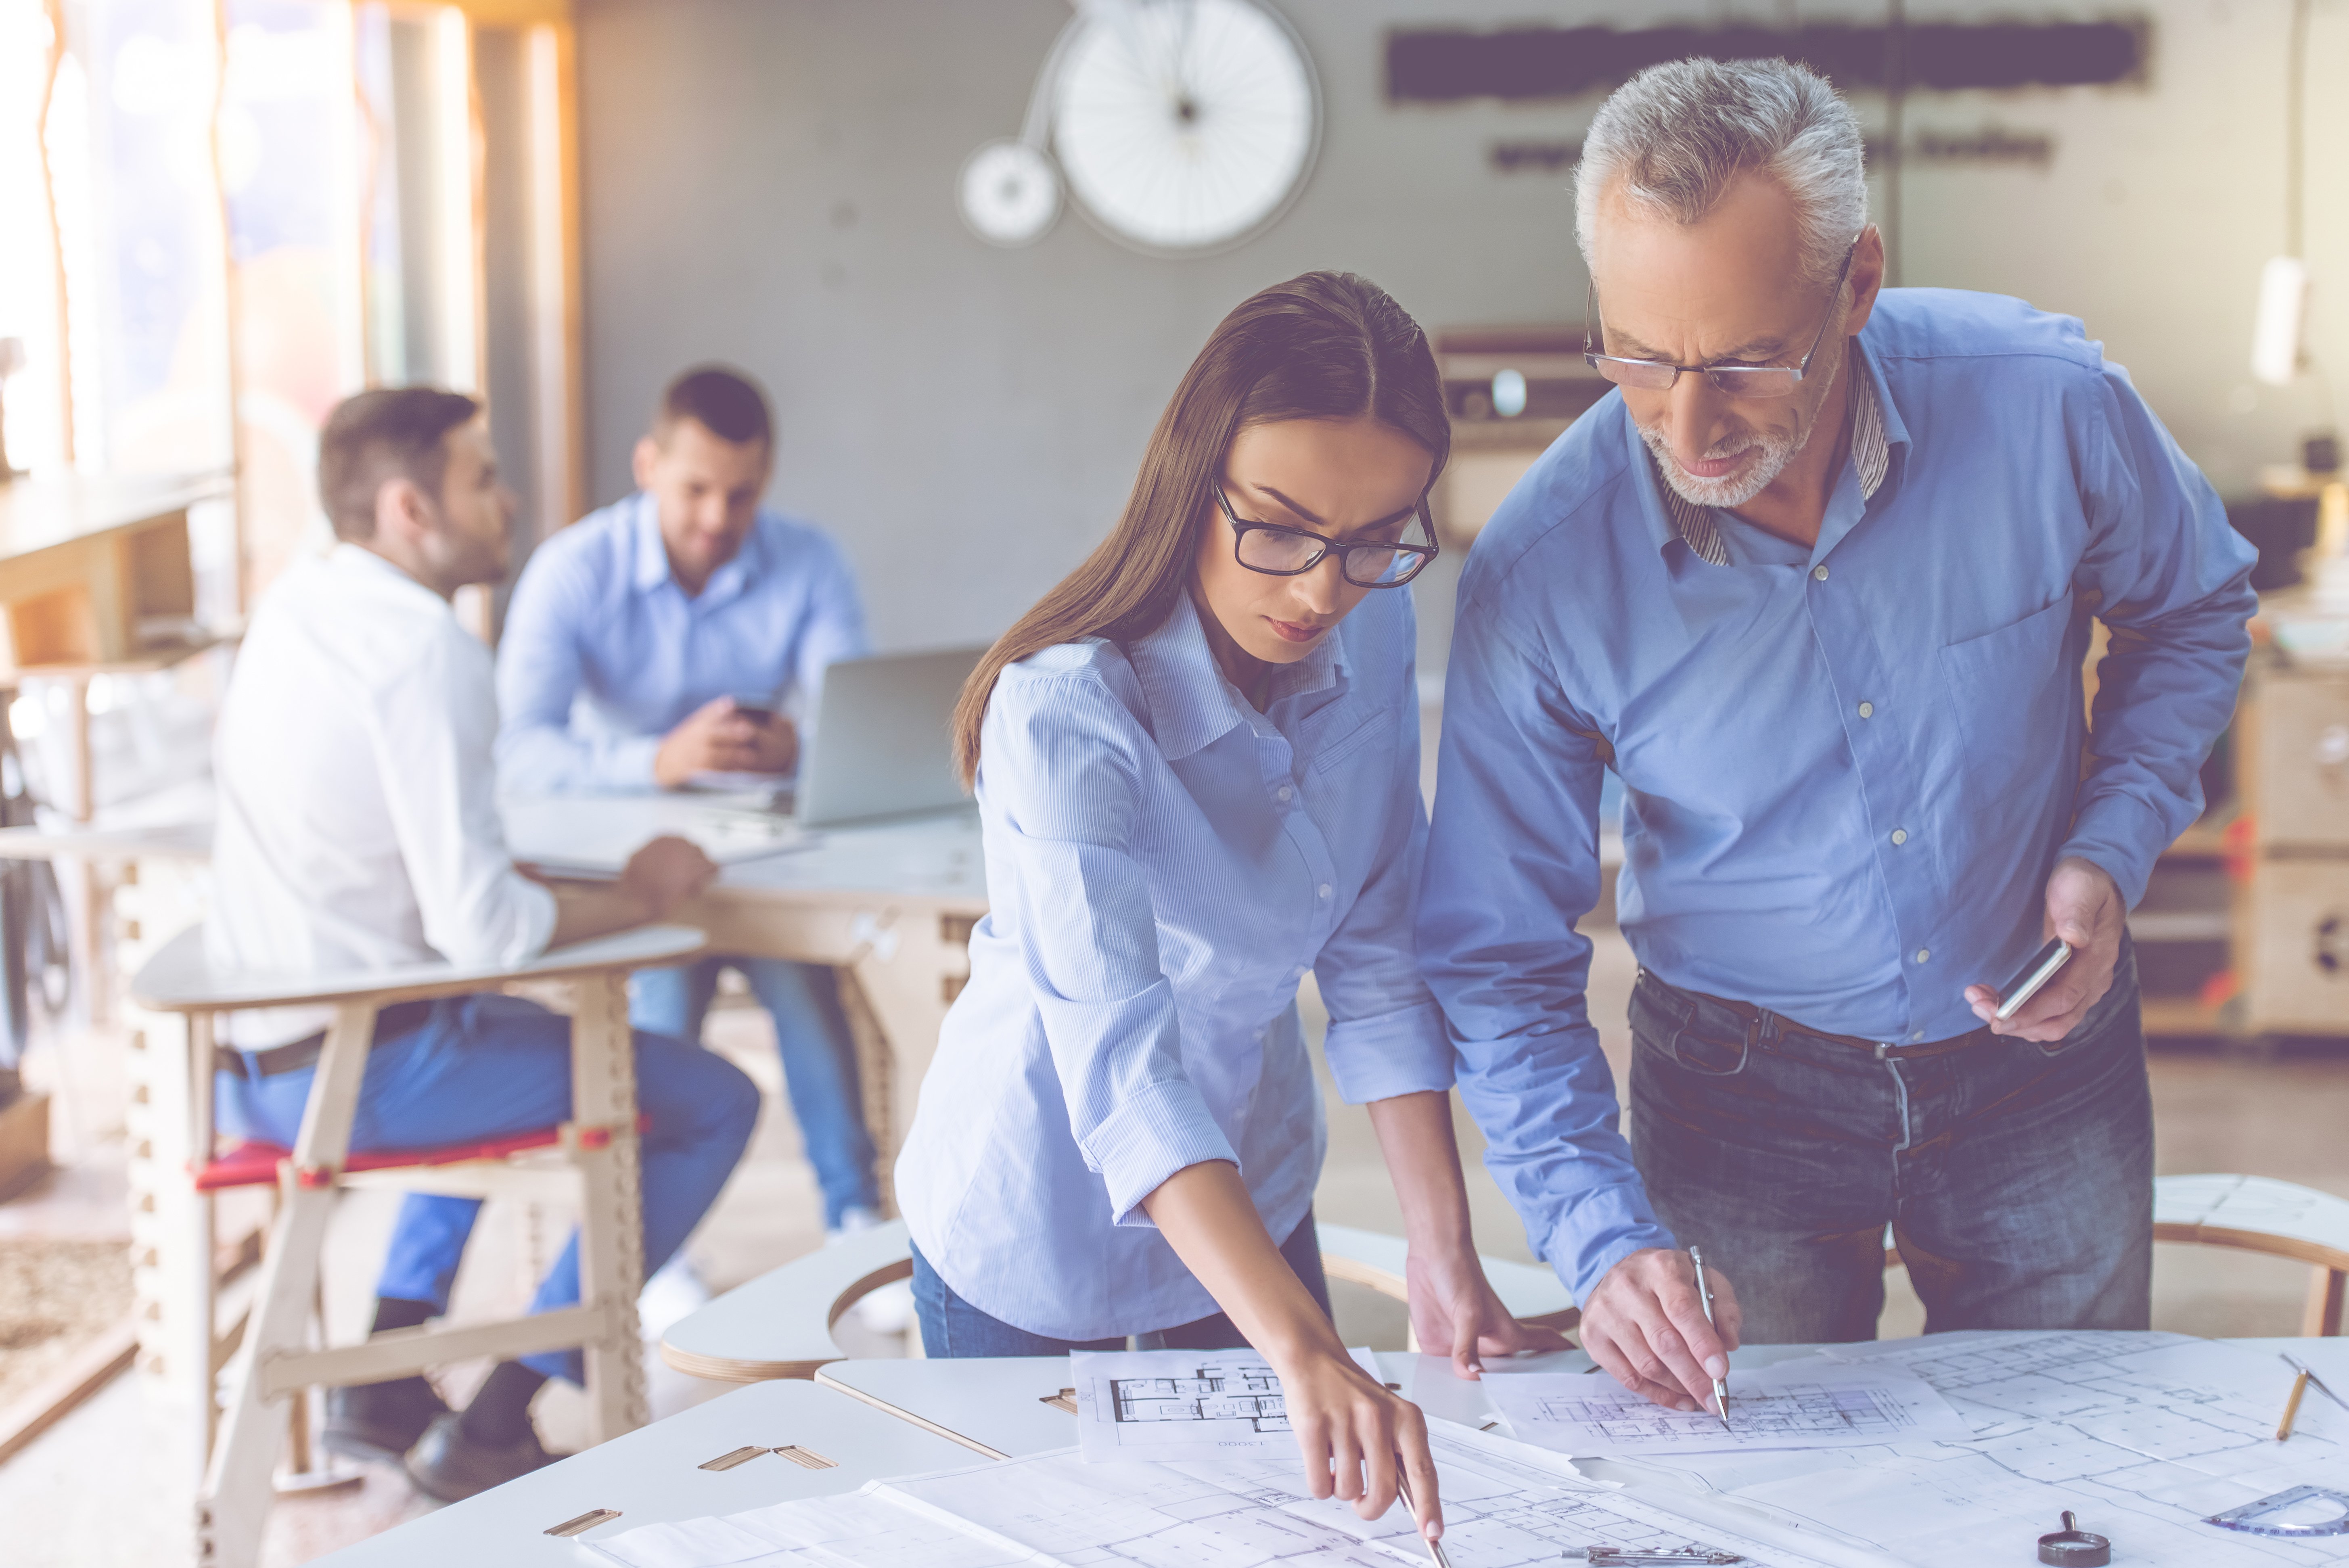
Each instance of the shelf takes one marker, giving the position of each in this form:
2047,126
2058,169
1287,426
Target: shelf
2181,925
2180,1016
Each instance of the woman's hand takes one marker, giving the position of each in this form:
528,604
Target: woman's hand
1454,1312
1351,1428
1357,1436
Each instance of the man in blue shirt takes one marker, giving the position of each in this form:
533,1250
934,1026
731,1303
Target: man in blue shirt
1817,581
663,639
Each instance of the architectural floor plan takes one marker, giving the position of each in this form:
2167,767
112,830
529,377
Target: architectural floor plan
1815,1404
1502,1509
2144,1436
1180,1404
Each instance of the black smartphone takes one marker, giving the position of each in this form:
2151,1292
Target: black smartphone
757,709
2032,976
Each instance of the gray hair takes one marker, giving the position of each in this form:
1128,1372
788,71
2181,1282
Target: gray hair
1677,134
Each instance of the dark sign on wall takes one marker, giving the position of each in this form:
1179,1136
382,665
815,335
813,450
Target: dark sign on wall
1450,65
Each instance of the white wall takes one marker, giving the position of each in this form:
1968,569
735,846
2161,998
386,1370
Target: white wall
771,182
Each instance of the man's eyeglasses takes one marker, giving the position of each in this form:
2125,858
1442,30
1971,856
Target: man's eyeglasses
1281,551
1729,380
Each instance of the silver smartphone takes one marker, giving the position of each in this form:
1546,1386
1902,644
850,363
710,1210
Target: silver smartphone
2031,977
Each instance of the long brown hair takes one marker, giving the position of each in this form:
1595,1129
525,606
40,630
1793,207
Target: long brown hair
1326,345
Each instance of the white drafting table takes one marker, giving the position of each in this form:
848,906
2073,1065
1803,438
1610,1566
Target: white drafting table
651,1475
996,1406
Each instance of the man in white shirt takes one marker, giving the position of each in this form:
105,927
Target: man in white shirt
359,829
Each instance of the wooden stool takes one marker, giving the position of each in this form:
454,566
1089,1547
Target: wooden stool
2281,1219
780,1325
592,1156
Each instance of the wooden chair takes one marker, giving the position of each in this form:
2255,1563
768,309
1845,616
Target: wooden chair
781,1324
593,1158
2281,1219
2256,1214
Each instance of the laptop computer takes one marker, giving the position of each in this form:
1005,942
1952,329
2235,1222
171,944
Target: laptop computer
883,742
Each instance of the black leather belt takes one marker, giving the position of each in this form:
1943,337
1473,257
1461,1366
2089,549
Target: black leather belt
1762,1024
398,1018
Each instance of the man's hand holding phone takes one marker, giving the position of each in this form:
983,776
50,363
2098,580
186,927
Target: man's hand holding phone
727,735
2086,913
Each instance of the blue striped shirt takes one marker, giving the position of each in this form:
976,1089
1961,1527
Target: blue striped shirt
1164,865
1847,767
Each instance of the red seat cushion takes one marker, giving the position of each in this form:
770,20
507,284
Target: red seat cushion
253,1164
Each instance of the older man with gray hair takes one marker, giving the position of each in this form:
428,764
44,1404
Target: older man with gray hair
1816,580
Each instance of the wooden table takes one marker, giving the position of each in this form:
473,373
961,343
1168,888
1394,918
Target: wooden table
94,571
891,904
653,1475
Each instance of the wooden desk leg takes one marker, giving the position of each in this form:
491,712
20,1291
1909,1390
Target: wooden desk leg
611,1213
906,984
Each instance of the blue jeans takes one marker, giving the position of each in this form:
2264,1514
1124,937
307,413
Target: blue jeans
952,1327
2017,1177
819,1059
485,1066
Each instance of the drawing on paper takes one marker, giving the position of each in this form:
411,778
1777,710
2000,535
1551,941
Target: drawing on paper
1249,1394
1798,1411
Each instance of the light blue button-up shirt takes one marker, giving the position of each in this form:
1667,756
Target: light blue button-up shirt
1847,768
1164,865
603,653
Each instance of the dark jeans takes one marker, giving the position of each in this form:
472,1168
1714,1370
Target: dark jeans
951,1327
2017,1177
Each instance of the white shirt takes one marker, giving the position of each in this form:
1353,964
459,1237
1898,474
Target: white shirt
1164,864
358,824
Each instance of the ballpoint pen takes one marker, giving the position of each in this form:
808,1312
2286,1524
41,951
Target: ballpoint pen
1704,1297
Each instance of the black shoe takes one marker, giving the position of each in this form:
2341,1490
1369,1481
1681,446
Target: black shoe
380,1422
453,1466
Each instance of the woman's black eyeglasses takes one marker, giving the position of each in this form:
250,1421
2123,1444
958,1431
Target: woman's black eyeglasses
1280,552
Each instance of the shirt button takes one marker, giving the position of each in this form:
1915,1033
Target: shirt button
1899,835
1923,953
1323,891
1867,711
1820,572
1284,793
1916,1033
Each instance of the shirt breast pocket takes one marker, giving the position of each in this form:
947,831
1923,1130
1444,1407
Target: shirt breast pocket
2009,688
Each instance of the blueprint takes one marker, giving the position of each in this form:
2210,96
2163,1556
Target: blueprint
2142,1435
1503,1508
1813,1403
1182,1404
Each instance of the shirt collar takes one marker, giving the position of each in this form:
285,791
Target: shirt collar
650,567
651,554
348,557
1875,427
1192,705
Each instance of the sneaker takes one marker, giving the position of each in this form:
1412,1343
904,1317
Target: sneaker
855,1218
675,1290
449,1464
380,1422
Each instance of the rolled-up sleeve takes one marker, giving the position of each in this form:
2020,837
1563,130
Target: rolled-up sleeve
1386,1034
2173,586
1059,771
1512,865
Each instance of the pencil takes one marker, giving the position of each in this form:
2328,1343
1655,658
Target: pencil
1402,1491
1704,1298
2313,1380
2291,1406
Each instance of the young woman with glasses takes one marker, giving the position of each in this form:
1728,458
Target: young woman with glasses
1197,766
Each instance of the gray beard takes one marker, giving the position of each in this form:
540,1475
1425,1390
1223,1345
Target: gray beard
1736,489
